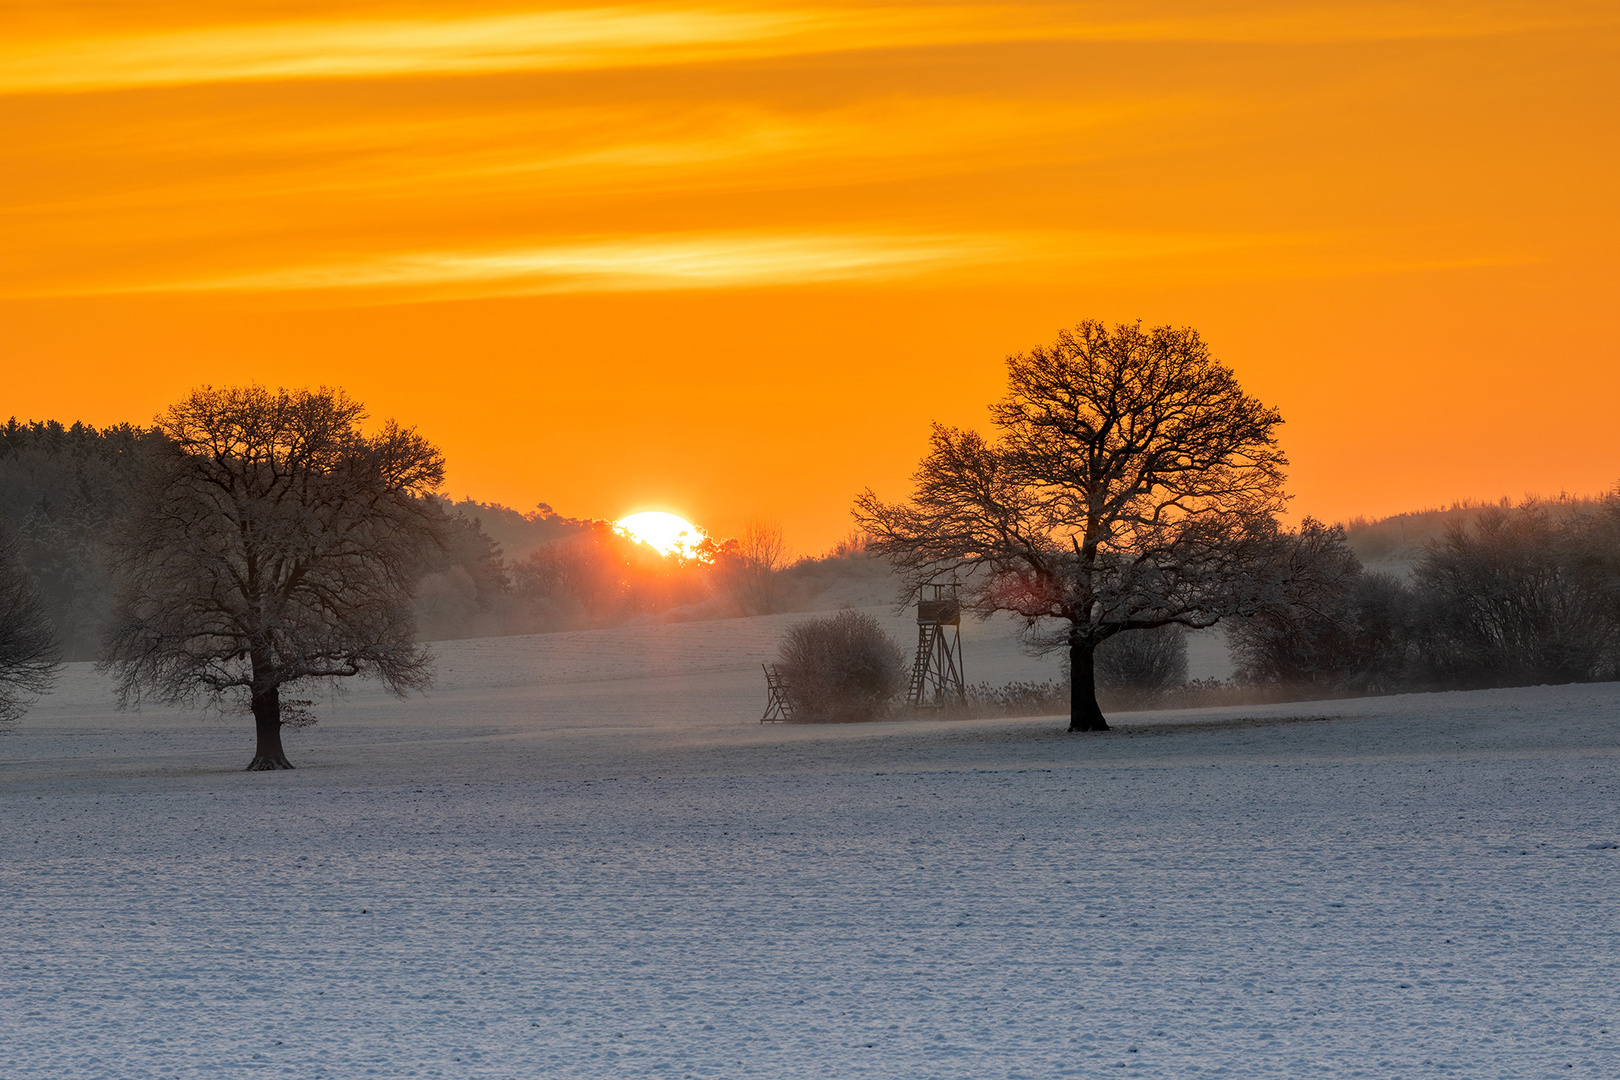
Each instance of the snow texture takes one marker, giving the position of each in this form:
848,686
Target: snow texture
582,857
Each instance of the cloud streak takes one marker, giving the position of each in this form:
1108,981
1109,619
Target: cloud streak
636,35
187,173
641,263
762,260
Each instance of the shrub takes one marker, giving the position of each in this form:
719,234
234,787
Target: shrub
1142,663
842,667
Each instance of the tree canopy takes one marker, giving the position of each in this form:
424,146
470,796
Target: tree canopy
1133,485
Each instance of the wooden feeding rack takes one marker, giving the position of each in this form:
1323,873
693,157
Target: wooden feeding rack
778,709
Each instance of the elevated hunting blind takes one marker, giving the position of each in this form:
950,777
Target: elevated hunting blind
936,675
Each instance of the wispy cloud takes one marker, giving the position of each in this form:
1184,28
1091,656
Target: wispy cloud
730,261
630,35
185,173
643,263
582,38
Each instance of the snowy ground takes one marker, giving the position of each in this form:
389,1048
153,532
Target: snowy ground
581,856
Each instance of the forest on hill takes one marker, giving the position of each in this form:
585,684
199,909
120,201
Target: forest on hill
1397,542
64,489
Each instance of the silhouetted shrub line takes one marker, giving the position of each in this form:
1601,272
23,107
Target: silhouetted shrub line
1516,596
1506,595
1051,698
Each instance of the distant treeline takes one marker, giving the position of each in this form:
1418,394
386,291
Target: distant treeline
1473,596
1400,540
64,489
510,573
1504,596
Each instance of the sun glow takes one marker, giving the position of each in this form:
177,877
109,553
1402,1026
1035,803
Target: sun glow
668,534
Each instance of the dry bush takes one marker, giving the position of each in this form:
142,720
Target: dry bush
1017,698
1142,663
841,668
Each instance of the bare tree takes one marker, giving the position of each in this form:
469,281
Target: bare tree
273,545
1134,486
28,646
1337,628
749,564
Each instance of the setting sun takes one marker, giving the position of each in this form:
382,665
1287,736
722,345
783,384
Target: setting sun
668,534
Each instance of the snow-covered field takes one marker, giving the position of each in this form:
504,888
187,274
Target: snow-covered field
581,856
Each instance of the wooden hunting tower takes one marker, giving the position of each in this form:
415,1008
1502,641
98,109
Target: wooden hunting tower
936,676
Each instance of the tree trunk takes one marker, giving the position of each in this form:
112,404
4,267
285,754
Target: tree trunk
1084,714
267,719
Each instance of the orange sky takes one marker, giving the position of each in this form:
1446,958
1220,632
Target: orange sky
731,259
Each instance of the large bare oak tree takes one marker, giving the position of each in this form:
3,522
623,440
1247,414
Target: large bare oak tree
1134,485
273,545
